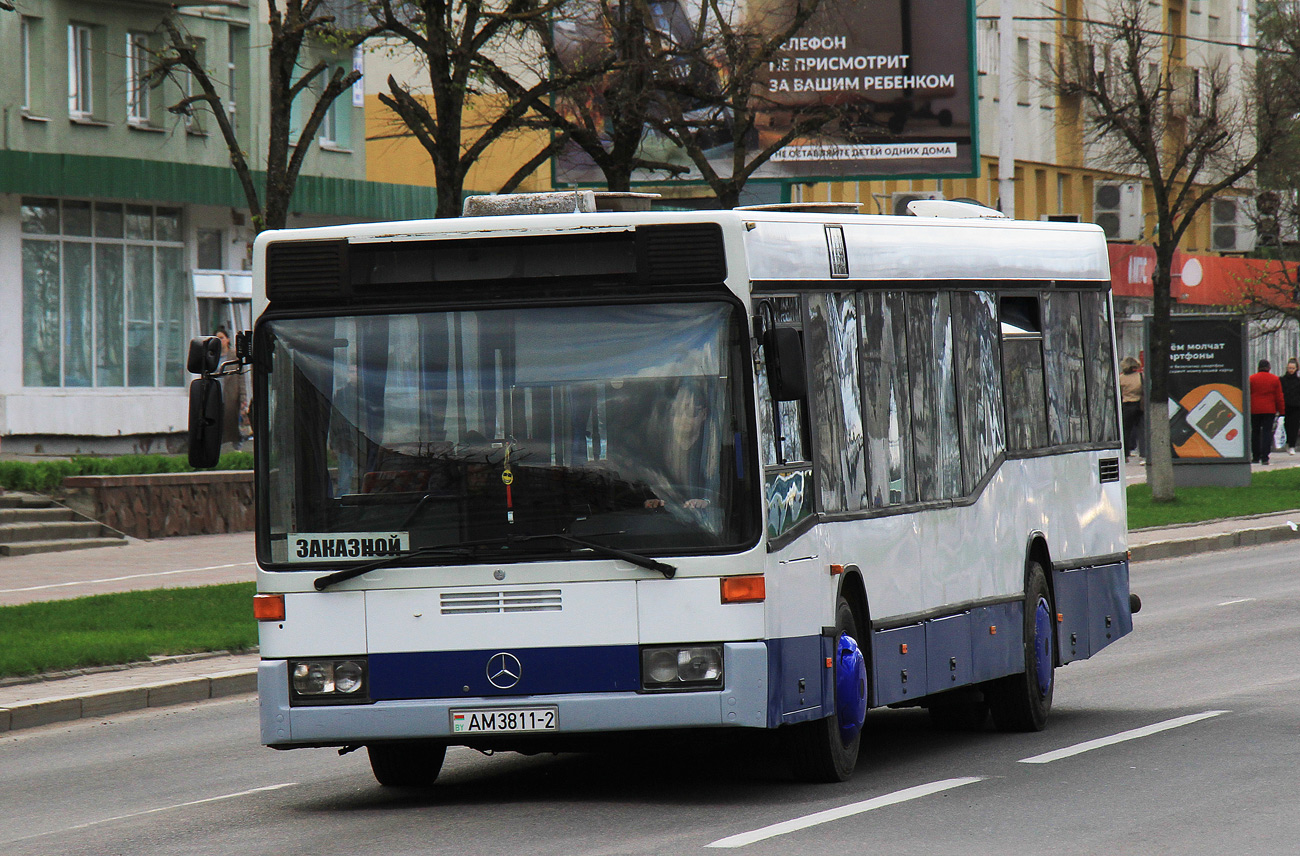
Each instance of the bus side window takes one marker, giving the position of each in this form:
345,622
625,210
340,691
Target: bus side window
887,414
834,397
1022,372
979,380
787,476
1067,401
1099,367
936,441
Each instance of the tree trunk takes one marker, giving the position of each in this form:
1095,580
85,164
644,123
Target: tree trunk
1160,455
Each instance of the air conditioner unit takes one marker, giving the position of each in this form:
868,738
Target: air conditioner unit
1232,224
1117,209
898,199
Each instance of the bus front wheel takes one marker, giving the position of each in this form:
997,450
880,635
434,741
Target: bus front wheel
826,750
1021,702
406,765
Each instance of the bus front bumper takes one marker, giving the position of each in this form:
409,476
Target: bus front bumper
743,701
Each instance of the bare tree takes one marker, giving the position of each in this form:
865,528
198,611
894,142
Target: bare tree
722,111
293,25
1190,134
1273,295
611,52
464,47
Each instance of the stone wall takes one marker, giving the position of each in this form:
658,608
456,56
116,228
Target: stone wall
158,506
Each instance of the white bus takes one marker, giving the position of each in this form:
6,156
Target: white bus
528,479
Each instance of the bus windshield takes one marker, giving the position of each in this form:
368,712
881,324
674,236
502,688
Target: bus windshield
624,425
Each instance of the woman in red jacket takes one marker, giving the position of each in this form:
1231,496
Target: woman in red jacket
1266,404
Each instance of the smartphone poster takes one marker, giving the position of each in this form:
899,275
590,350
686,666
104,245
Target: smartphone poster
1207,378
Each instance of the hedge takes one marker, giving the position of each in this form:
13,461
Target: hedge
46,476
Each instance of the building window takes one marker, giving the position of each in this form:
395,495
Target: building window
81,103
137,78
193,118
26,49
329,126
1022,72
210,249
1046,77
232,79
105,298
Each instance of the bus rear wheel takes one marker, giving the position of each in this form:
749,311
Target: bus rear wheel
1021,702
406,765
826,750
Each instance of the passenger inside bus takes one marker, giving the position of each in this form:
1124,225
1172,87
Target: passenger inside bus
679,422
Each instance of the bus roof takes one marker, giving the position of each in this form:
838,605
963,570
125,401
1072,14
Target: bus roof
795,247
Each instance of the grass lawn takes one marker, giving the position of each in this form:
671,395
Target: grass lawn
1276,490
122,628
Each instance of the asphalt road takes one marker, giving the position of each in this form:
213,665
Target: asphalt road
1181,738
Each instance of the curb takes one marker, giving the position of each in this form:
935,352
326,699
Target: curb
48,711
1178,548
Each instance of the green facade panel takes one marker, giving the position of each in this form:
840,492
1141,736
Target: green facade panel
38,174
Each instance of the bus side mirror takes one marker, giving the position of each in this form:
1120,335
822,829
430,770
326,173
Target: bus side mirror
206,409
783,353
204,356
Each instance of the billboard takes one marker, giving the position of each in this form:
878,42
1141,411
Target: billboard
898,75
1207,378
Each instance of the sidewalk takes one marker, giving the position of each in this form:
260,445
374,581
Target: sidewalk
213,559
199,560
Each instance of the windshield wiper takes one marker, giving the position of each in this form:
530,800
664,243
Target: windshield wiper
669,571
328,580
466,549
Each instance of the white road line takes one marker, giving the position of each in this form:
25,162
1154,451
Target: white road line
1134,734
130,577
155,811
798,823
1238,600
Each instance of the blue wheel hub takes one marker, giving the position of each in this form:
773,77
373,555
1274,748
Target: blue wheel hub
1043,646
850,687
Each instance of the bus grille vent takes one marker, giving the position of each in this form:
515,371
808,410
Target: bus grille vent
496,602
682,254
305,270
1108,469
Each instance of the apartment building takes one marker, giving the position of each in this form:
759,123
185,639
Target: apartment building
123,229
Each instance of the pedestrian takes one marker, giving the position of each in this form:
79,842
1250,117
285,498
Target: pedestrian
1130,398
1291,396
1266,404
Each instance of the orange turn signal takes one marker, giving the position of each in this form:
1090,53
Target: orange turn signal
268,607
750,589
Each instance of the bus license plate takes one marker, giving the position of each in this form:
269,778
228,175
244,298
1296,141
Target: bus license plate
498,720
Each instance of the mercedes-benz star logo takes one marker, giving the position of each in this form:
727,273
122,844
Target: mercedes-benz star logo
504,670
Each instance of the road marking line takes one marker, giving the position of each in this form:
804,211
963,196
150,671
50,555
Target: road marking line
154,811
122,579
1238,600
1123,736
798,823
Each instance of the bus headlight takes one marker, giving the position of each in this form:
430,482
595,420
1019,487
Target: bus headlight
681,667
341,681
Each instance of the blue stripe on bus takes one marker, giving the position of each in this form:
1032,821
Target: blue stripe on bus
541,671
